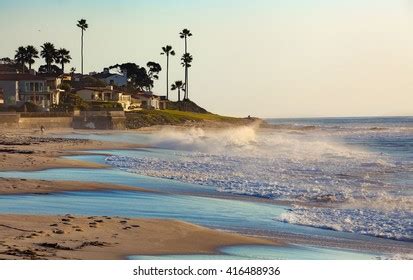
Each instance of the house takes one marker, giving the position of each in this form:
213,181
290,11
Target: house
41,91
147,100
113,79
163,102
107,94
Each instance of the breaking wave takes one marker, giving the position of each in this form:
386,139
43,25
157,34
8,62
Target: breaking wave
365,191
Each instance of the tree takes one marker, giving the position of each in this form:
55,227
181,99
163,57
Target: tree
178,85
7,60
153,71
185,34
83,26
167,50
72,71
31,54
63,57
21,57
52,69
49,54
186,61
138,77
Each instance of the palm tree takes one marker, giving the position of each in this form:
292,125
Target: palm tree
21,56
31,54
82,25
49,54
63,57
185,34
186,61
167,50
178,85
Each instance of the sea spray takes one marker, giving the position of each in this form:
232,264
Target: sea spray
306,167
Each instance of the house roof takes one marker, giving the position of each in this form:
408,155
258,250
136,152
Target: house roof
146,95
101,89
104,75
20,77
8,68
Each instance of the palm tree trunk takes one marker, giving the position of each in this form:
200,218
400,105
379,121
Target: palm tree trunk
167,76
186,71
179,94
30,66
81,47
63,68
186,83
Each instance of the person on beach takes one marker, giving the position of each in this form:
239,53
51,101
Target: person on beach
42,129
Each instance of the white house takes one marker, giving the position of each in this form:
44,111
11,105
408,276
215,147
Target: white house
41,91
113,79
105,94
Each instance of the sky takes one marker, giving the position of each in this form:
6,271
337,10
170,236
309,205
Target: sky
265,58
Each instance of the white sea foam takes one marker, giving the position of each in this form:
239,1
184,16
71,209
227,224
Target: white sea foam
394,224
298,167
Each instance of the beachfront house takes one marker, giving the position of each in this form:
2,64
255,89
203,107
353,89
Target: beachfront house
113,79
18,88
147,100
105,94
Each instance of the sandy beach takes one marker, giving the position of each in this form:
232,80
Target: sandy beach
70,237
30,150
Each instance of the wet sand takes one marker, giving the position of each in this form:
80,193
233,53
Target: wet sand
27,151
92,238
22,186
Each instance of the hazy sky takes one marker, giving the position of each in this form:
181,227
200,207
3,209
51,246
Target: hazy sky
268,58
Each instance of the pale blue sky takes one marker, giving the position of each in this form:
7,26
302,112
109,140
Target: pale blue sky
268,58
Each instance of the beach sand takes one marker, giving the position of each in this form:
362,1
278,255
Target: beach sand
92,238
11,186
20,150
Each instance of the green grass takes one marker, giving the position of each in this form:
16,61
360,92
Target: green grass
196,116
172,117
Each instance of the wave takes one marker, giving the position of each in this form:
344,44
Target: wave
300,168
395,224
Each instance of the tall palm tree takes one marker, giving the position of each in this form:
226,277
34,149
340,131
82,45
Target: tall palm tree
186,61
49,54
83,26
31,54
63,57
185,34
178,85
21,57
167,50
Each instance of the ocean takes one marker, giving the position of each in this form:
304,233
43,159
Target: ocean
344,174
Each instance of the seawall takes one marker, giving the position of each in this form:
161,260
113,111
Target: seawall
83,120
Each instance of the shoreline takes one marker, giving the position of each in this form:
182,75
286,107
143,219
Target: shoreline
22,151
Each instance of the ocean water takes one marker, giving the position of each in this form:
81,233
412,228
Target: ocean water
346,174
251,252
